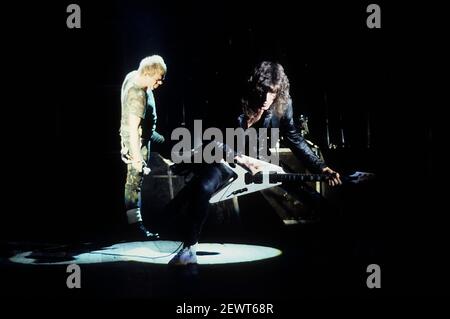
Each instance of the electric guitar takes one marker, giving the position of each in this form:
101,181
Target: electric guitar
269,175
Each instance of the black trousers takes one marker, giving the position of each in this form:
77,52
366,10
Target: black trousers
206,181
208,178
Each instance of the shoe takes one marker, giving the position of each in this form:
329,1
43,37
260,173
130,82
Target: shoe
186,256
138,231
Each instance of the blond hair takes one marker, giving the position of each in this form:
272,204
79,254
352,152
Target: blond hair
152,64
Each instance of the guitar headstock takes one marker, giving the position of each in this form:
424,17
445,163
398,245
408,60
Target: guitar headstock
360,177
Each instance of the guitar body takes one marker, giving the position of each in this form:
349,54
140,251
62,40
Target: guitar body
265,175
237,185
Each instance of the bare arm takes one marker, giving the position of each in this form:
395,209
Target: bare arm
135,143
135,107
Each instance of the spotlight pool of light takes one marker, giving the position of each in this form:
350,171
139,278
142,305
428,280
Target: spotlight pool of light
156,252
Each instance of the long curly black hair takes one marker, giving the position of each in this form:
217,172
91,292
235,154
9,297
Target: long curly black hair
266,77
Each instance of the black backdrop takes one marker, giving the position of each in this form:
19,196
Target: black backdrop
63,98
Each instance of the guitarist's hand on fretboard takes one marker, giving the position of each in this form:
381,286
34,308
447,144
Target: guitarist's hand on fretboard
335,178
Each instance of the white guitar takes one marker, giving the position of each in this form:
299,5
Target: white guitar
266,175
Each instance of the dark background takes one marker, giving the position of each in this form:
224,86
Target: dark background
63,104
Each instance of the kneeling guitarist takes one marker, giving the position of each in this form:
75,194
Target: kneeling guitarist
267,104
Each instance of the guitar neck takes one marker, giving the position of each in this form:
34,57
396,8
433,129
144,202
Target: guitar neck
285,177
292,177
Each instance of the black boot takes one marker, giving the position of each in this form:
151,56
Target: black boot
137,231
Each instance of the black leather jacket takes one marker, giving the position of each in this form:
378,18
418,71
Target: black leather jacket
291,136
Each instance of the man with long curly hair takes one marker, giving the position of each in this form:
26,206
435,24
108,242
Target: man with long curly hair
266,104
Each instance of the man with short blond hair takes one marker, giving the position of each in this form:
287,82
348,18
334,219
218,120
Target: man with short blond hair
137,130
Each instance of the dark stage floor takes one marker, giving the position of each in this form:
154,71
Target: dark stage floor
327,258
311,263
